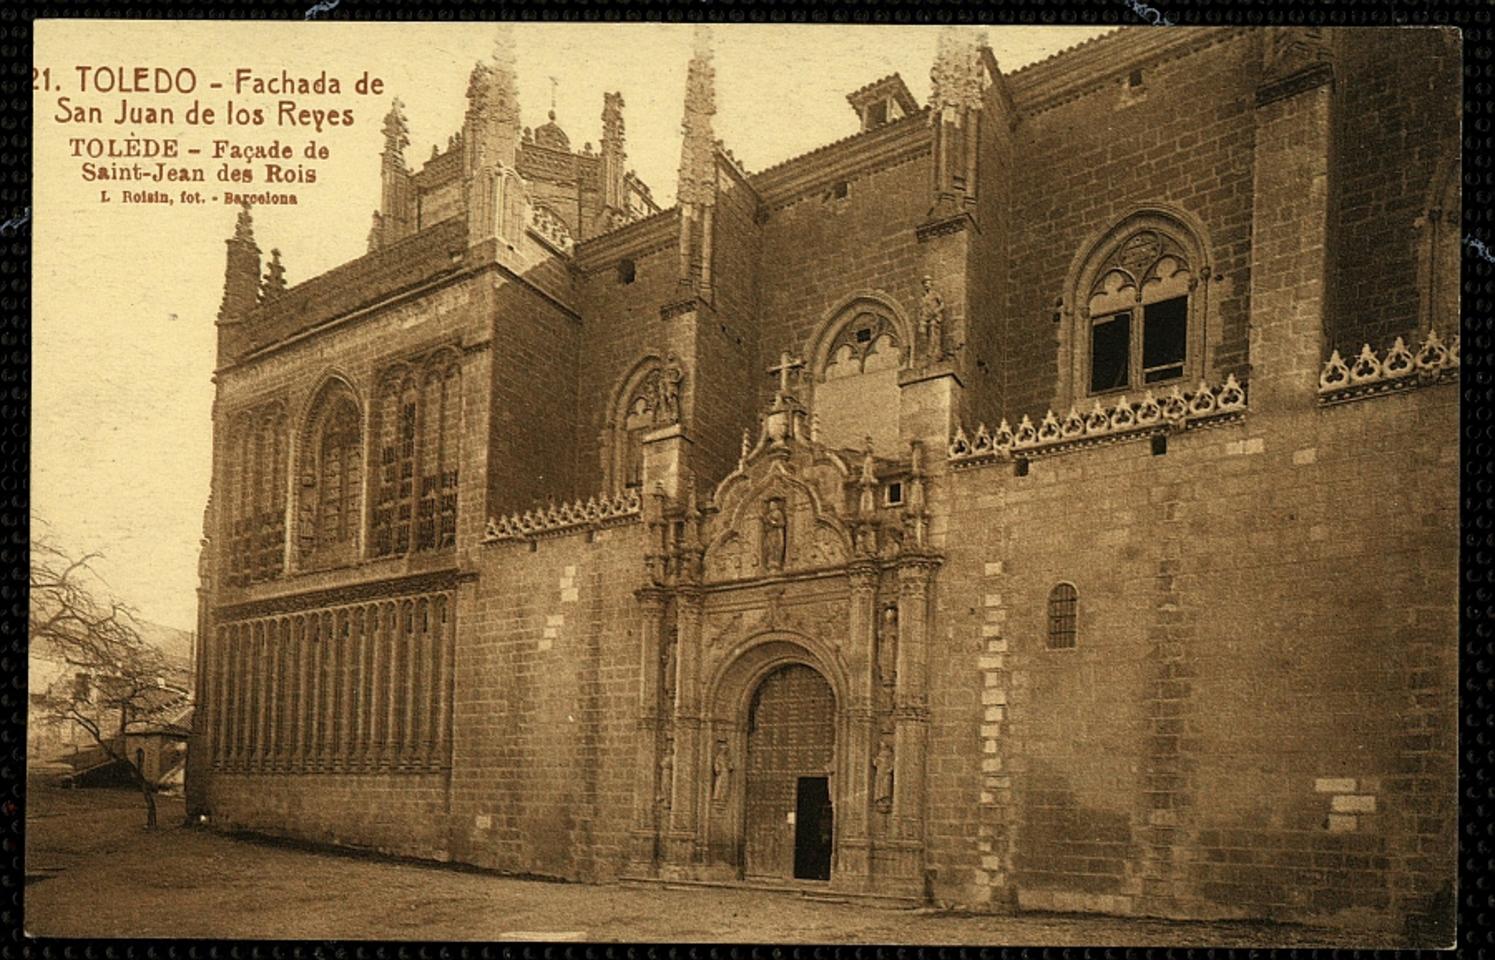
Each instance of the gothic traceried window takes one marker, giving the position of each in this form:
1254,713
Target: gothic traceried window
415,486
1139,310
257,472
331,480
854,368
649,399
1063,618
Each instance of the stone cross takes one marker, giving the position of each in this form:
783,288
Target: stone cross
785,365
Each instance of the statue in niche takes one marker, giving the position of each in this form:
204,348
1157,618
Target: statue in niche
887,643
775,535
721,772
667,409
667,773
882,775
932,320
867,540
671,667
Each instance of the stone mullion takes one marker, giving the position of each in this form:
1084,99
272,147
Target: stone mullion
391,683
431,671
271,686
316,640
255,715
281,695
302,643
358,667
374,749
681,842
446,646
220,694
407,681
231,697
328,700
241,695
346,641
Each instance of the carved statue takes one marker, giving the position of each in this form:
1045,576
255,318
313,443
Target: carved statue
882,774
887,642
775,536
932,320
667,410
671,666
667,773
721,772
867,540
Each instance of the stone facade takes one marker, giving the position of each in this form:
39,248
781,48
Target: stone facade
1043,499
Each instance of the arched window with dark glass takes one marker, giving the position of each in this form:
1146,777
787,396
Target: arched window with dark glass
331,479
1064,601
418,424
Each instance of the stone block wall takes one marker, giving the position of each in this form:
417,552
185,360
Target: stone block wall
546,706
1086,161
1258,716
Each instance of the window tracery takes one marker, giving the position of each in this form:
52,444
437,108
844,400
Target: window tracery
1139,309
853,389
331,478
258,469
418,418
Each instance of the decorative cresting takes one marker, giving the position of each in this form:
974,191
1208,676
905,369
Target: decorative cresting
558,519
1124,420
1369,374
548,226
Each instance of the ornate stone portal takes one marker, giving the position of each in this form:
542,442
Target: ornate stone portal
779,739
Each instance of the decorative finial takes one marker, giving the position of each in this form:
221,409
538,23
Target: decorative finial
274,283
244,225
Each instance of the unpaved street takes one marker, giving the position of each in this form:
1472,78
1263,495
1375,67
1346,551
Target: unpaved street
94,871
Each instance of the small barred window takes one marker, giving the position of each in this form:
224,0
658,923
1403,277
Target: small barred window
1063,601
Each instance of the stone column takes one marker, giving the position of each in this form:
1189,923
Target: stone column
410,656
911,723
220,660
684,838
644,838
346,712
392,637
374,744
327,742
303,687
273,642
446,646
853,854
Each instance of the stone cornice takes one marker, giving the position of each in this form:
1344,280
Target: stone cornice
857,154
655,232
352,593
1071,74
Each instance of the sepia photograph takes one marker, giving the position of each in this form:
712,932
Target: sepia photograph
745,483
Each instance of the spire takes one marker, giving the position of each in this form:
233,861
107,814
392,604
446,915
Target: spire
493,191
274,282
957,77
614,156
697,153
241,278
396,135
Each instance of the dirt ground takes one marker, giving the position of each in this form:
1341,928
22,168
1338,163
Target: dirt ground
94,871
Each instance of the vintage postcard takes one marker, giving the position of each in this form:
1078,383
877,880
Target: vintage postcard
793,483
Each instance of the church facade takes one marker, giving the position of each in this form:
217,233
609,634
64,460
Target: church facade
1044,498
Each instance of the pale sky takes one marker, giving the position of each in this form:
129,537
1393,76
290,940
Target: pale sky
125,295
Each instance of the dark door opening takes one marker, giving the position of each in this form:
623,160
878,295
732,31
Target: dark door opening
812,829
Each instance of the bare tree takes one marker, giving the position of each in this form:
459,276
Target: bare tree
116,678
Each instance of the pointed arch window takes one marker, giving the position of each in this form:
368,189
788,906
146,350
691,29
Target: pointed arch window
418,412
854,368
257,473
1140,309
331,480
648,400
1439,251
